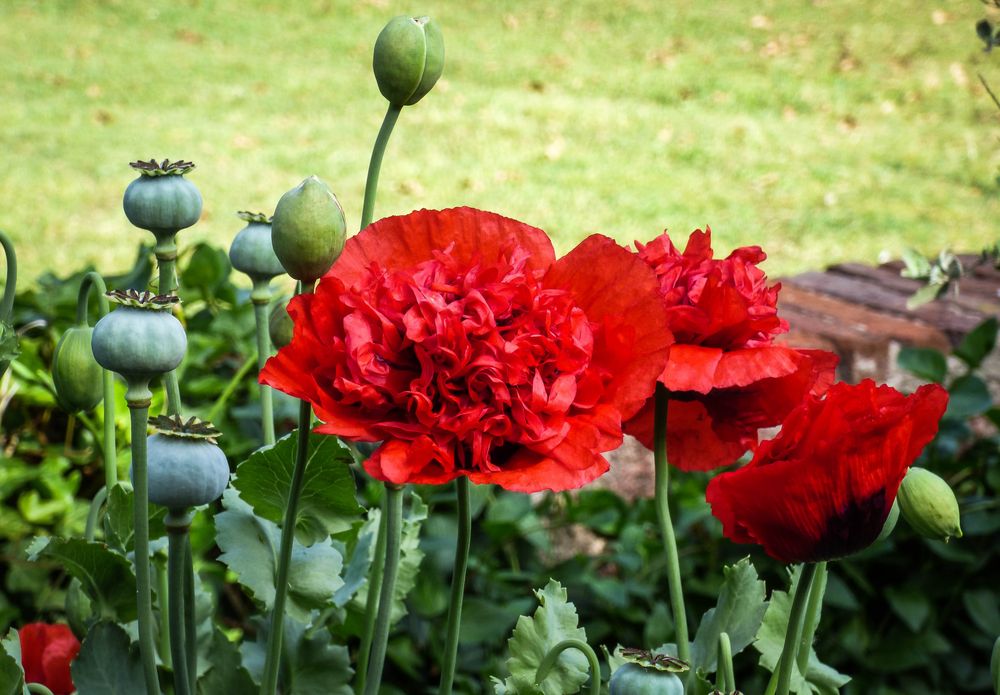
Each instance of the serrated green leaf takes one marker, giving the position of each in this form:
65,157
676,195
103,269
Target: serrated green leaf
226,673
925,363
119,522
108,664
250,548
328,497
11,673
819,678
739,612
978,343
314,666
106,576
555,620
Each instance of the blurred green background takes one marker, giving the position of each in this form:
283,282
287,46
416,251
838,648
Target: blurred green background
821,130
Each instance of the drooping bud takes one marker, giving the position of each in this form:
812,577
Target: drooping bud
76,375
408,59
280,325
308,230
928,504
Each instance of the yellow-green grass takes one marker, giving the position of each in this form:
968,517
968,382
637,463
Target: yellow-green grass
821,131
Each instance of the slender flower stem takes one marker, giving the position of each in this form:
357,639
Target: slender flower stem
457,585
794,630
166,259
371,604
95,510
552,658
662,488
811,622
263,352
230,388
162,595
393,537
10,280
139,412
177,522
93,280
375,165
269,683
726,681
190,624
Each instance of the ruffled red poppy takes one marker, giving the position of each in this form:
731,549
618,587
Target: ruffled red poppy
46,654
457,339
823,487
726,378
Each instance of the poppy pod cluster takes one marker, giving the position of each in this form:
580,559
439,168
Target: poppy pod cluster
725,376
823,487
458,339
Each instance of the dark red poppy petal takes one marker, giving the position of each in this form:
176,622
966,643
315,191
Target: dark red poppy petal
418,462
33,637
56,662
618,292
531,472
46,654
406,240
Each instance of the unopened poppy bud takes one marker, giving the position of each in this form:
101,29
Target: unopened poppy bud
308,230
76,375
409,59
929,505
280,325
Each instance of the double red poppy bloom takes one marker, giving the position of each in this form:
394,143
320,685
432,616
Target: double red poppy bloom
46,654
457,339
725,376
823,487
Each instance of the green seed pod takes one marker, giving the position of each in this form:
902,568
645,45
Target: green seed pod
308,230
929,505
633,679
78,378
890,522
252,253
140,339
161,200
186,467
280,325
408,59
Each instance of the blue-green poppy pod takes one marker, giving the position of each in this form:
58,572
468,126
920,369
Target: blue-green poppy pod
161,200
186,467
408,59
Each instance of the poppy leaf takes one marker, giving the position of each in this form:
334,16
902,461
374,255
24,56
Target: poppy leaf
739,613
108,644
327,503
925,363
11,673
978,343
226,674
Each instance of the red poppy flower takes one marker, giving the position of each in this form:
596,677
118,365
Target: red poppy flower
457,339
46,653
726,378
823,487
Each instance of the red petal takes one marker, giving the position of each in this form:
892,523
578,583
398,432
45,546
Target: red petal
634,338
406,240
691,368
531,472
420,462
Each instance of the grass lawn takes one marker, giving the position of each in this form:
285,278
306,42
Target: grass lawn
821,130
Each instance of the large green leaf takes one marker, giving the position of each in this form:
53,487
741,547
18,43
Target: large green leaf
226,673
314,666
328,499
250,547
978,343
108,664
11,673
555,620
925,363
819,677
119,521
968,396
106,576
739,612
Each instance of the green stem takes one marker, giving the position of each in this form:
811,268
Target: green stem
190,624
166,259
177,522
393,536
552,658
139,412
263,352
269,683
371,604
38,688
457,584
10,280
375,165
726,681
794,630
813,610
662,494
230,389
95,510
93,280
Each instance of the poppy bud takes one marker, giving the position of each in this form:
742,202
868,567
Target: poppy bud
929,505
280,325
308,230
409,59
76,375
